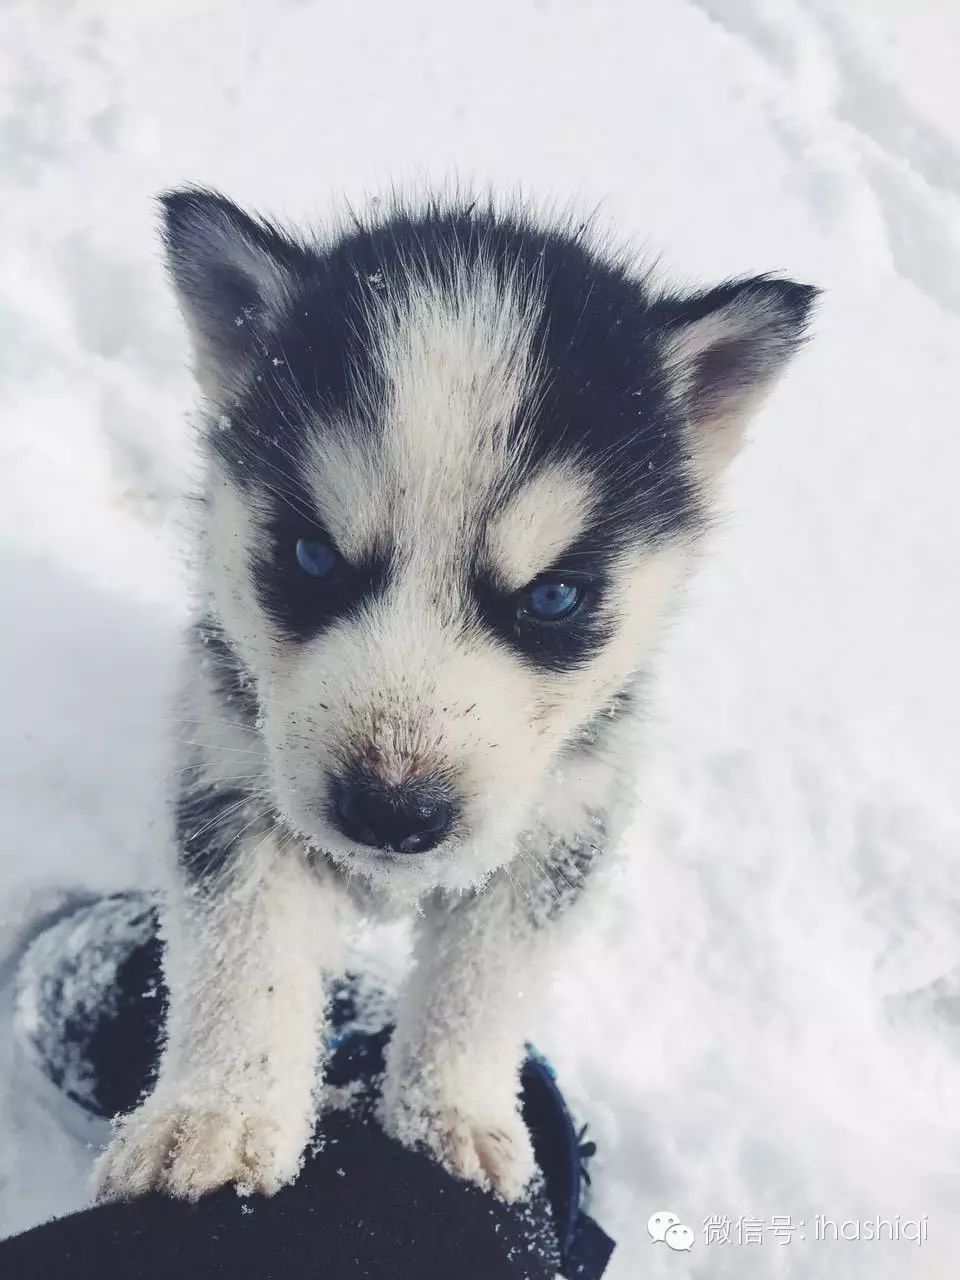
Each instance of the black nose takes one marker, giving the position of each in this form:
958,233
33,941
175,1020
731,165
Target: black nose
408,819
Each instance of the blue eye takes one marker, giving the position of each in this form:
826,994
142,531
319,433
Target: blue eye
552,599
318,559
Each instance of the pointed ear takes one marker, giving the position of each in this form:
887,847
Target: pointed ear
233,275
724,349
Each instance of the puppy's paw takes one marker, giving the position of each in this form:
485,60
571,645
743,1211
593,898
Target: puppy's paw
493,1152
188,1151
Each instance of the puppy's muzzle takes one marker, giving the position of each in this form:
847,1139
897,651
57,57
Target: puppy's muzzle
410,818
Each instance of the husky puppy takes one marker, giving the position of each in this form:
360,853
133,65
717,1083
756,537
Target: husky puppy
457,461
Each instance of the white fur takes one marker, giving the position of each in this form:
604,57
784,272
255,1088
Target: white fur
246,964
539,523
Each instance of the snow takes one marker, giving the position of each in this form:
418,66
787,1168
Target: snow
751,1027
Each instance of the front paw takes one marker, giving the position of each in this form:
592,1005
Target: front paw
187,1151
493,1151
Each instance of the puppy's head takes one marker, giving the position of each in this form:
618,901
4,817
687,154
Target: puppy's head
458,459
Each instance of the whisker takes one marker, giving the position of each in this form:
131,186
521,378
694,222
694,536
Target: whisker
232,777
548,866
538,871
214,746
555,866
224,813
177,719
231,868
516,887
229,724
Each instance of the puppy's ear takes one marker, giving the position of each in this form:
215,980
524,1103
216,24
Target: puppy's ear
724,349
233,276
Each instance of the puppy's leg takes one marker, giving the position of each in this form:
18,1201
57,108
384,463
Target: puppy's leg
247,949
453,1067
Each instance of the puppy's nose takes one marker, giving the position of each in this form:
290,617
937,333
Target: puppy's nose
408,819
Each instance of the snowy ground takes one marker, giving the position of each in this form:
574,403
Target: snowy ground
739,1027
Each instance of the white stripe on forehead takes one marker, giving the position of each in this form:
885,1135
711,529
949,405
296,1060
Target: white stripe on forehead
538,523
457,366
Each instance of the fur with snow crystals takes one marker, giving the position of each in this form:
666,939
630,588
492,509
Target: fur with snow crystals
454,403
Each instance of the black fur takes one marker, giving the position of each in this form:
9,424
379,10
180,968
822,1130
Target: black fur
558,645
602,397
234,683
301,606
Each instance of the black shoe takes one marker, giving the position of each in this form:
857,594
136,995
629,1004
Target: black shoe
90,1010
